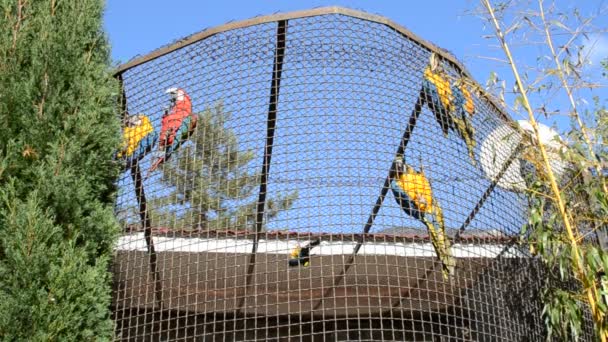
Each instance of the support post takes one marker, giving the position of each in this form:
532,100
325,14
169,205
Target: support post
275,85
147,226
407,134
143,210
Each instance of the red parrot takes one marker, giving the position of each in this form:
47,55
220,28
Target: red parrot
177,124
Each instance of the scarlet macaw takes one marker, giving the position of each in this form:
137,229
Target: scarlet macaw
176,126
138,137
413,193
301,255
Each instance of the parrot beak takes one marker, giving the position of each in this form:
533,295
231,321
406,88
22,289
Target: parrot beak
132,121
434,62
173,93
137,120
399,165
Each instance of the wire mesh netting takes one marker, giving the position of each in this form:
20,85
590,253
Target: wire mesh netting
321,175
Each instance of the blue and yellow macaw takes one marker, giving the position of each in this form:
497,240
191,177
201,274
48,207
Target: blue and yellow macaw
139,137
300,256
445,100
438,94
412,190
464,107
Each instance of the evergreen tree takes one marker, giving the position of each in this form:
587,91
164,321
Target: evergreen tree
58,130
210,176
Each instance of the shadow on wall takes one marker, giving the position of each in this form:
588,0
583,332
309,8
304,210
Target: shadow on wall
501,304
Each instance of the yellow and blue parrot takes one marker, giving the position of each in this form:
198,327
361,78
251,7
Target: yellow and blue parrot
445,100
438,94
300,256
139,138
464,107
412,190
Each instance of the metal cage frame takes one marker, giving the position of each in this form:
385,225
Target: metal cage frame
149,302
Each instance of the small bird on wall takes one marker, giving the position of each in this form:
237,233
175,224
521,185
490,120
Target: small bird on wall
300,256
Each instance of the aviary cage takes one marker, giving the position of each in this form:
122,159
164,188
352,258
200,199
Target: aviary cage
258,200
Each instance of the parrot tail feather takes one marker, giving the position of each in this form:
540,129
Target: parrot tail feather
441,244
466,132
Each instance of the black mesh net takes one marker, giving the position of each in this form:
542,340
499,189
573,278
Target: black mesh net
289,178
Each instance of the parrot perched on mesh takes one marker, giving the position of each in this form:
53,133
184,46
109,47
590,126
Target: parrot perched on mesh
464,107
445,100
438,94
412,191
300,256
139,138
177,124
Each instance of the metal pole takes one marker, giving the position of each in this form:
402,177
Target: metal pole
143,210
407,134
271,124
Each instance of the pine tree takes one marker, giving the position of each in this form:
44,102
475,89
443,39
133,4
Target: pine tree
58,132
210,176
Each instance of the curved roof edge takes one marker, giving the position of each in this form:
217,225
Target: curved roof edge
303,14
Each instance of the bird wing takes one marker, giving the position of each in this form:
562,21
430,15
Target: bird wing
469,105
466,131
139,136
404,201
148,141
463,103
442,85
314,243
438,97
127,147
418,190
131,138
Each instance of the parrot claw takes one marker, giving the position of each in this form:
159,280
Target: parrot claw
448,269
160,158
155,165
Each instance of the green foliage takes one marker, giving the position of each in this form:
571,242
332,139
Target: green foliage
562,314
58,131
212,177
565,214
564,289
563,292
50,291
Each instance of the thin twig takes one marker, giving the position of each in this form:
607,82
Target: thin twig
591,291
574,114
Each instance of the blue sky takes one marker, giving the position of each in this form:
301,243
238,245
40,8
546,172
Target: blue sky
138,27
